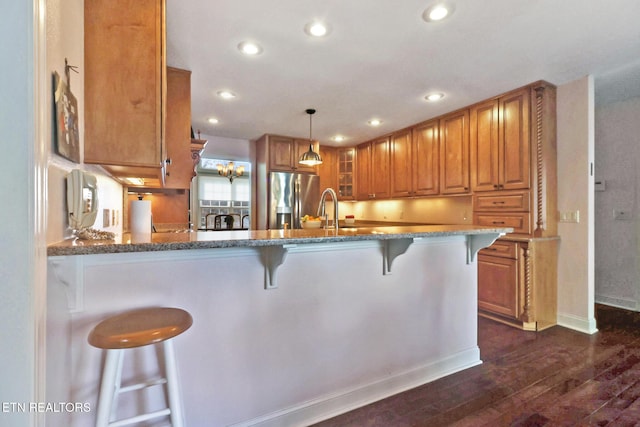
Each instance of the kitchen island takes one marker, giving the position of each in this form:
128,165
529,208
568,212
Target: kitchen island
290,326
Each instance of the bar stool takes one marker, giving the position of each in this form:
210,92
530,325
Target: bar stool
132,329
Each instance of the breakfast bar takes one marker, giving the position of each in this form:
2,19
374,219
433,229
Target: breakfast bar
289,326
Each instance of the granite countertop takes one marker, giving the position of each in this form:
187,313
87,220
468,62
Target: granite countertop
257,238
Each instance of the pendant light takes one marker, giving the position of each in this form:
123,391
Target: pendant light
310,158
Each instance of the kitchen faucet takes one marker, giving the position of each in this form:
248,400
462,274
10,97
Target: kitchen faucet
321,207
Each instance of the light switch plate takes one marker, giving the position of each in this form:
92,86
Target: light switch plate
106,218
570,216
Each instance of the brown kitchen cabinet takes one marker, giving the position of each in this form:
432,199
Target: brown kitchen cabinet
363,171
372,170
414,161
328,170
500,147
517,282
454,153
284,153
346,167
514,182
425,159
401,165
125,86
179,164
522,158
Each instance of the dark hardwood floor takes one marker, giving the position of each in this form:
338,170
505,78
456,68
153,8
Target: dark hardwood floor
556,377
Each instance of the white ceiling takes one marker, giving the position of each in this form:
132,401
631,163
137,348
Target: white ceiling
381,58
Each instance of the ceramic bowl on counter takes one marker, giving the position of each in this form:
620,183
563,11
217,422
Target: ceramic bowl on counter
311,224
349,221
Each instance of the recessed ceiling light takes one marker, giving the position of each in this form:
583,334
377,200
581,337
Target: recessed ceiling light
375,122
438,12
213,121
338,138
250,48
226,94
316,29
435,96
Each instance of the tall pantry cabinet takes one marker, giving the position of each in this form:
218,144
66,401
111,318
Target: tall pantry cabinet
514,181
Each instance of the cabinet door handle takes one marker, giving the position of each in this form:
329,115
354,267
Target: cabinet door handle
498,202
498,222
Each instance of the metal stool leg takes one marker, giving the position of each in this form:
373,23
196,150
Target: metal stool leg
173,388
108,389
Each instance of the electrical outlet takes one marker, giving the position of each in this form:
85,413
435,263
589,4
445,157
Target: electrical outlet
622,215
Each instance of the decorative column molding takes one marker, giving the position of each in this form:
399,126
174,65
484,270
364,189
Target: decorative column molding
527,309
540,220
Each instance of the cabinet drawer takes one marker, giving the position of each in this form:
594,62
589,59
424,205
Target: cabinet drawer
519,221
503,201
501,249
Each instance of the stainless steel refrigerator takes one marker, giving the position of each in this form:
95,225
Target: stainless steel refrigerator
290,197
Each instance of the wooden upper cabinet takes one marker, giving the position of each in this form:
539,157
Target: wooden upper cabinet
514,140
380,163
426,158
363,171
454,153
401,165
179,168
124,83
372,170
281,153
500,146
328,170
346,158
284,153
485,154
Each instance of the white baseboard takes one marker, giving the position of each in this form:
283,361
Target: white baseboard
580,324
346,400
626,303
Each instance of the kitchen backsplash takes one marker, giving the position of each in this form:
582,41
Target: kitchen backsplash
438,210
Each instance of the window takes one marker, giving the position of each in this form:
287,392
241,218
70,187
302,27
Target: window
218,196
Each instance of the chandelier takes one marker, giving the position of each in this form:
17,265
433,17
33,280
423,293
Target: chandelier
230,171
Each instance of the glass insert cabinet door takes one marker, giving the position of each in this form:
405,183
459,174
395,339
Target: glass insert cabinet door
345,173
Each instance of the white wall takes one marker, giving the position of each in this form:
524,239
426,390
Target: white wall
21,251
617,147
65,39
575,192
219,147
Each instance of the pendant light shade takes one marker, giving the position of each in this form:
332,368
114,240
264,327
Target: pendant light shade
310,158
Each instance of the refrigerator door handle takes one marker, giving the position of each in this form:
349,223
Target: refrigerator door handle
297,208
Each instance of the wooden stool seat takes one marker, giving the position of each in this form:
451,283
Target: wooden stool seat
132,329
140,327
